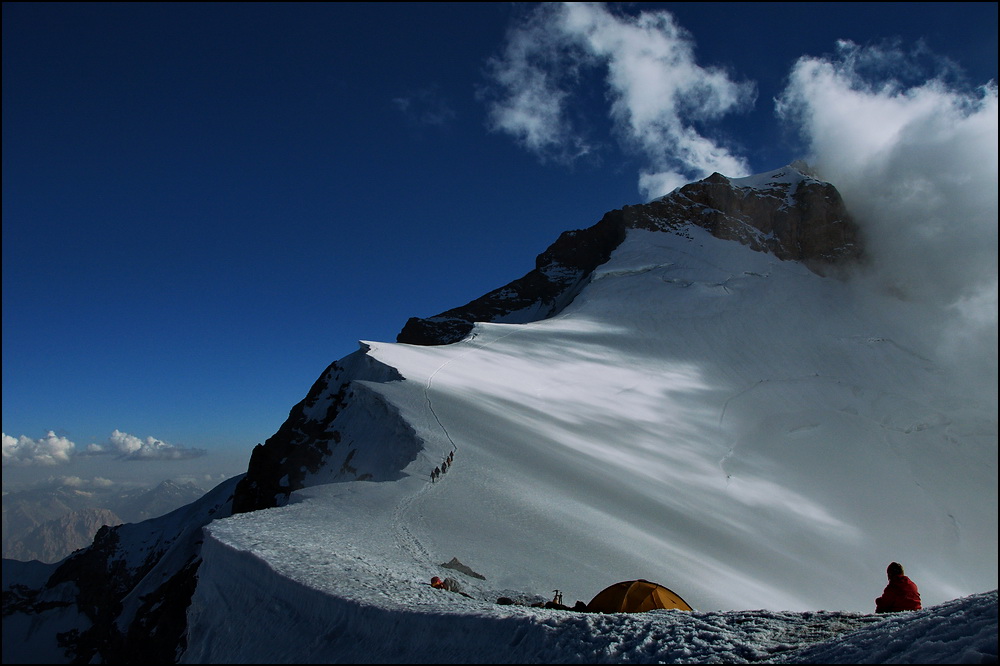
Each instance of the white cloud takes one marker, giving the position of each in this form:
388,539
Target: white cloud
78,482
49,450
537,64
655,90
55,450
657,87
131,447
917,164
71,481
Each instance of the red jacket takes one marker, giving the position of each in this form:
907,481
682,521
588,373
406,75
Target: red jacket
899,595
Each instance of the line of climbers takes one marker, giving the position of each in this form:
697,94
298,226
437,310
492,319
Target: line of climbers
438,471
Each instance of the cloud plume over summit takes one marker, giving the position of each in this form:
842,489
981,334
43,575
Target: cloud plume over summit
909,143
917,165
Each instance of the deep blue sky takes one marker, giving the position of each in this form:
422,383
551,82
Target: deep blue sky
206,204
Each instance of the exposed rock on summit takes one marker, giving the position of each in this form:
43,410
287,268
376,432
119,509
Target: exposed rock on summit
785,212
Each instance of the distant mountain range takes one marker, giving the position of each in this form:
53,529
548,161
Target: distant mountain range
47,524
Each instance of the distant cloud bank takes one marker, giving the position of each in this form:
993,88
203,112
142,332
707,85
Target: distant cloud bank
55,450
79,482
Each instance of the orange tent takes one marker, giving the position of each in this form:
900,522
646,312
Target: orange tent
635,596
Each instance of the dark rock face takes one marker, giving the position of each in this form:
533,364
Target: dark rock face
312,439
803,220
790,214
559,273
300,444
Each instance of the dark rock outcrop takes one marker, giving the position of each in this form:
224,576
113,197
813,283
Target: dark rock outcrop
455,564
559,273
786,212
313,438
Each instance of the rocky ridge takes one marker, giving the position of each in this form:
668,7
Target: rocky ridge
786,212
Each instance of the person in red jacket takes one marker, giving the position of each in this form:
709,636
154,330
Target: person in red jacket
900,594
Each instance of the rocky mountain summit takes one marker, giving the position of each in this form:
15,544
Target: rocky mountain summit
786,212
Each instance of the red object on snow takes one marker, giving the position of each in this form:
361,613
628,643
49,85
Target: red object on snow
899,595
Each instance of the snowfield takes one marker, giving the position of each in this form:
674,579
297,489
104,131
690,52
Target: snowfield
351,606
636,435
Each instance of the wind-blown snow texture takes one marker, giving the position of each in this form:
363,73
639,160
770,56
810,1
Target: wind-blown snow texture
730,425
352,605
702,415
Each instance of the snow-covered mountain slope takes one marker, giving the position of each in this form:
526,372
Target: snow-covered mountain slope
338,596
728,424
786,212
699,407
